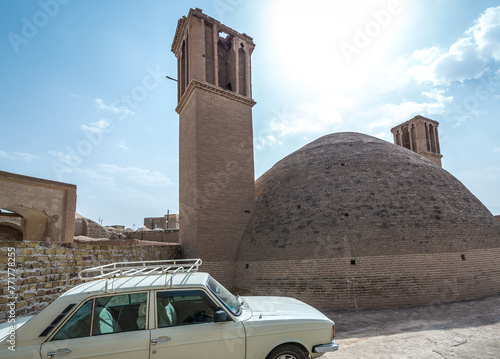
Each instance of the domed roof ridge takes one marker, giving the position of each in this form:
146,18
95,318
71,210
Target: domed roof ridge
356,145
363,196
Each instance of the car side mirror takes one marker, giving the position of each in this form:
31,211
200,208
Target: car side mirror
220,316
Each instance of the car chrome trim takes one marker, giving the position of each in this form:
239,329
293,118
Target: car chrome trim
160,339
324,348
53,354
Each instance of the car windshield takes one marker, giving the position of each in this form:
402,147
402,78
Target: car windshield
229,299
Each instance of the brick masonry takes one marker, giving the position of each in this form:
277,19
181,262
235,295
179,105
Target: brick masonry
47,269
348,221
389,281
216,174
352,221
352,195
216,168
168,235
47,207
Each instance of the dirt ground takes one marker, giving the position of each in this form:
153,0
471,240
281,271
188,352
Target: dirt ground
467,330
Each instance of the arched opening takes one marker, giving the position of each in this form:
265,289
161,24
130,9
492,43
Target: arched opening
432,138
406,138
183,69
10,226
413,136
30,222
209,53
226,62
427,138
242,60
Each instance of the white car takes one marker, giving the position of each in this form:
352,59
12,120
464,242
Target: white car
166,309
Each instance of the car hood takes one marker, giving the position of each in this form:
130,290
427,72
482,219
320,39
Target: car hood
282,308
5,328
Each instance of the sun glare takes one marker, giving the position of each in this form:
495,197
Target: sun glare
332,46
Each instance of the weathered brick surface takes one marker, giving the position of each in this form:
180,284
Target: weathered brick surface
169,236
347,221
47,207
404,221
216,177
44,270
222,271
216,169
217,193
389,281
348,195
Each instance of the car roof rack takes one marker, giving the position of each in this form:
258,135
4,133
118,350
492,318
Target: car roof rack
141,268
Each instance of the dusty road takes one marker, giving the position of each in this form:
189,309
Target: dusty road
460,330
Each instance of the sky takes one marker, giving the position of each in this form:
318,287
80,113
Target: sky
84,98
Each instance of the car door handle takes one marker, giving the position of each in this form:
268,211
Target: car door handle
62,351
160,339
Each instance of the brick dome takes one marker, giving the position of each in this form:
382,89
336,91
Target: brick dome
350,194
351,221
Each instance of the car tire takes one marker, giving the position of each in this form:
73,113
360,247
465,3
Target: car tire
287,351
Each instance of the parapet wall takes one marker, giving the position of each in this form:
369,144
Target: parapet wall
167,235
44,270
375,282
47,207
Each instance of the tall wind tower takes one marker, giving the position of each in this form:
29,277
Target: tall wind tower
420,134
216,166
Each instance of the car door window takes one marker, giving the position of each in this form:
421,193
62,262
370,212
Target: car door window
184,307
105,315
186,328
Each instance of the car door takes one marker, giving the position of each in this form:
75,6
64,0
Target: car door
185,328
107,327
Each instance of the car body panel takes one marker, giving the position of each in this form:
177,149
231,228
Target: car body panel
133,344
210,340
261,324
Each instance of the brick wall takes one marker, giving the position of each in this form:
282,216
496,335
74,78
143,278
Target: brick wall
216,176
223,272
169,236
46,269
375,281
47,207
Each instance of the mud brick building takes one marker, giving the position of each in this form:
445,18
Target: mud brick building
347,221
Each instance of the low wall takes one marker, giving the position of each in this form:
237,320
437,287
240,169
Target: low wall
375,282
167,235
44,270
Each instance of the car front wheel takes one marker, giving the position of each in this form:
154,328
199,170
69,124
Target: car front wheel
287,351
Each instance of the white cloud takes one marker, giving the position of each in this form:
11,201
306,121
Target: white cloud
138,175
122,145
467,58
65,158
404,111
428,55
438,95
117,110
23,156
6,155
97,127
383,122
384,136
266,139
316,117
486,33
